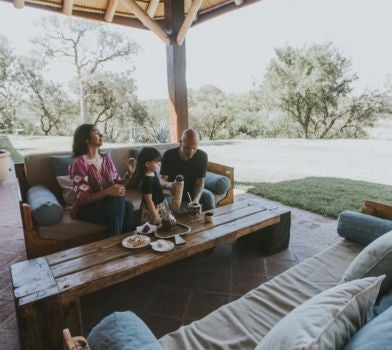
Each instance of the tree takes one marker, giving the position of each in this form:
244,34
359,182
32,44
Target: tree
210,112
86,45
313,85
112,102
49,100
9,87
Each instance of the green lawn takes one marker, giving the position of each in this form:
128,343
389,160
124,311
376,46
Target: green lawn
327,196
5,143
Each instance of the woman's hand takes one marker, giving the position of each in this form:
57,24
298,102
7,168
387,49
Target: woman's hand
131,166
116,190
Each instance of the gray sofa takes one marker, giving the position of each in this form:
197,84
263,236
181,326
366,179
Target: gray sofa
39,169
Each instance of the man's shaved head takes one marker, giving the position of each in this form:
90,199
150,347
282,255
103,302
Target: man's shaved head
190,134
189,143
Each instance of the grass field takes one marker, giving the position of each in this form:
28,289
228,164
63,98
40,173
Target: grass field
324,195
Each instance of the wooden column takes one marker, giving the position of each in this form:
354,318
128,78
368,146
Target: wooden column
176,70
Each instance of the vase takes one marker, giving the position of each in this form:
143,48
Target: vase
4,164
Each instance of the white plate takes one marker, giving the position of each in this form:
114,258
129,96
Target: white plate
161,245
152,228
136,241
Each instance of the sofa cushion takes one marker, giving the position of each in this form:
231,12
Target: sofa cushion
218,184
69,228
61,164
241,324
326,321
374,260
362,228
45,208
376,334
122,331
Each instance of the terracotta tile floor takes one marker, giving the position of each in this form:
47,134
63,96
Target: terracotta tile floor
172,296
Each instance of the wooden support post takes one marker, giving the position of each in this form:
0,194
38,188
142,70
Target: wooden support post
176,71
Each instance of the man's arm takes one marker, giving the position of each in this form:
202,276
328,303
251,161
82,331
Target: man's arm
199,186
166,185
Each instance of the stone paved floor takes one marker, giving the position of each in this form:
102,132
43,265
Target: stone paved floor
170,297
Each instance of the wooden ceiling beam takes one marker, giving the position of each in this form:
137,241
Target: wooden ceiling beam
152,8
190,17
18,4
67,7
146,20
111,10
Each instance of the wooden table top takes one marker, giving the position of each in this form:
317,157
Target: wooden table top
82,270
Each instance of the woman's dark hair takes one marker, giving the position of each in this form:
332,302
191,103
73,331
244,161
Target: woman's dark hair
81,136
146,154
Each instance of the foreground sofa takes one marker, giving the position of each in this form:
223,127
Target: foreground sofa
259,315
44,168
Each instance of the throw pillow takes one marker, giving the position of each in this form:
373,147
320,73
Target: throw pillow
377,334
45,208
122,331
362,228
65,183
61,164
374,260
326,321
218,184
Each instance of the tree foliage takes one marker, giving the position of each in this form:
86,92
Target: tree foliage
9,87
313,85
112,103
47,100
86,45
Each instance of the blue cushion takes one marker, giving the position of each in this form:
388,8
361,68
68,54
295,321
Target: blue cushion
122,331
362,228
61,164
45,208
384,304
376,334
218,184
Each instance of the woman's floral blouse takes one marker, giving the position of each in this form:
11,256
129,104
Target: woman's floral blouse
87,179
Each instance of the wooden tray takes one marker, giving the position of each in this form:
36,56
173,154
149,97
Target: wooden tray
179,229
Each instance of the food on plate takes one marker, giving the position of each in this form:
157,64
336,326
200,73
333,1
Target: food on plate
146,228
137,240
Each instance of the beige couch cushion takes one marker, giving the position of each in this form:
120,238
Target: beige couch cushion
68,228
242,323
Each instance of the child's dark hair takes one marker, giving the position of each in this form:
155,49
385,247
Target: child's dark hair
146,154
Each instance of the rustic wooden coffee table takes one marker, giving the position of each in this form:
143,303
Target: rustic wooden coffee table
47,290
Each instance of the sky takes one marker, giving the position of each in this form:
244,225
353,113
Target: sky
234,50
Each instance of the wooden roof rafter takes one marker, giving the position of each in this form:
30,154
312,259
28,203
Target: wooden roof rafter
190,17
146,20
67,7
18,4
152,8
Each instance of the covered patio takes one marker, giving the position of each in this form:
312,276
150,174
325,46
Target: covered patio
169,297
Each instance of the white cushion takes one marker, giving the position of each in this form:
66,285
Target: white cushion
326,321
374,260
65,183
